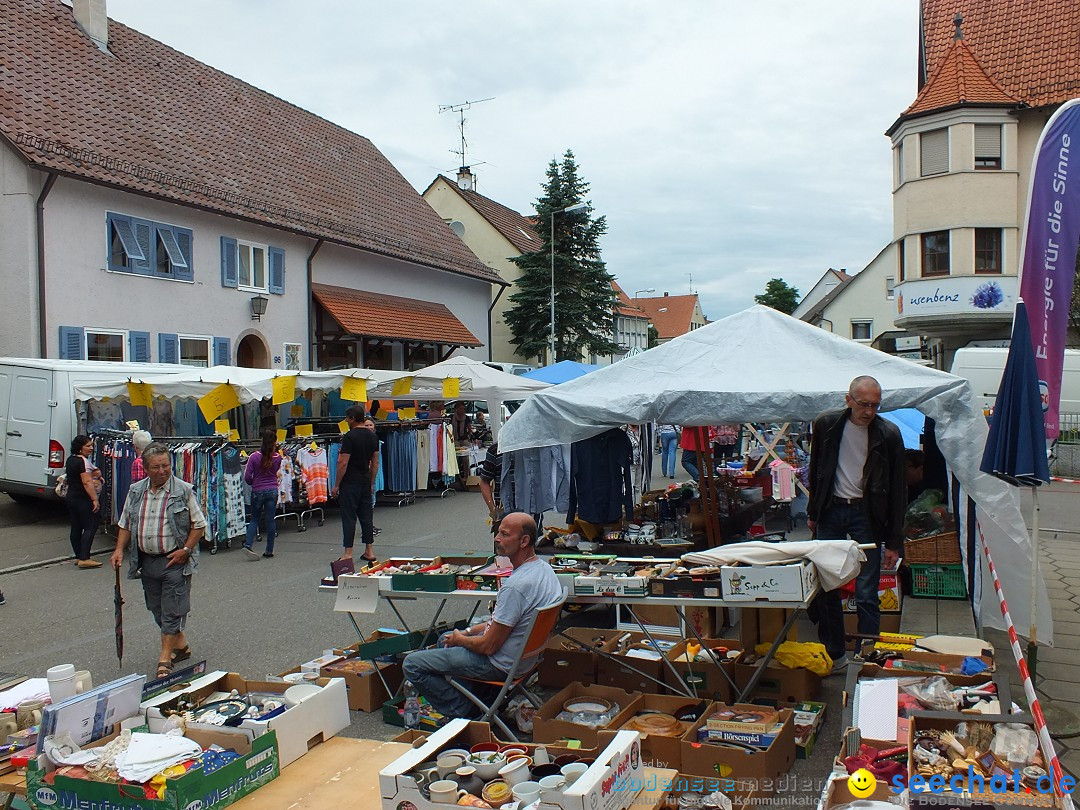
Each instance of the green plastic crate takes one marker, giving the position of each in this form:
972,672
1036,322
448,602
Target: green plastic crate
938,581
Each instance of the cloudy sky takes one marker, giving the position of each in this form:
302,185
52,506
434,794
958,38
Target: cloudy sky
727,143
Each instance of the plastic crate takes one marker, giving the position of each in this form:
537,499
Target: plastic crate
939,581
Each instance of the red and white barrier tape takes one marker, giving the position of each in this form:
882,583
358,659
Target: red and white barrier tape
1047,745
1064,480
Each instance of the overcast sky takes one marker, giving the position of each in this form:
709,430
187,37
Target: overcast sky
727,143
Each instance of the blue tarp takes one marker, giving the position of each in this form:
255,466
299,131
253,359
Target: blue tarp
911,423
563,371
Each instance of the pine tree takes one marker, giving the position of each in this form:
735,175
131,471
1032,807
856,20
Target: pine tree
779,295
584,297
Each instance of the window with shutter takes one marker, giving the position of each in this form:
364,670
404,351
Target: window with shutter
144,231
139,347
168,348
124,249
72,345
183,241
934,152
106,345
195,351
148,248
229,274
222,356
277,270
252,271
987,146
935,253
170,259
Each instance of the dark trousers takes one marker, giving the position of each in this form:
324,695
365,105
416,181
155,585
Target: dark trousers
84,525
838,522
355,502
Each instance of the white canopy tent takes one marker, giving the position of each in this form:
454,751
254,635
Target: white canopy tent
763,366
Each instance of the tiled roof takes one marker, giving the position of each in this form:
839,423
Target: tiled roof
388,316
828,298
958,79
670,314
519,230
626,306
1030,47
152,120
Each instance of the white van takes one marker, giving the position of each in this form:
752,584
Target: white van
983,367
517,369
38,416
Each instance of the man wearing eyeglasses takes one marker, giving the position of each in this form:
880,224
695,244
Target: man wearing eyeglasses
857,489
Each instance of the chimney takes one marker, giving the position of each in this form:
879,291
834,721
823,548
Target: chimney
465,179
665,294
91,18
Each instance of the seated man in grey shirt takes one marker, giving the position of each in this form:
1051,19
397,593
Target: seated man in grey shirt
487,651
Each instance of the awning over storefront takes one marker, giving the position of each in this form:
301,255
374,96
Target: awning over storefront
392,317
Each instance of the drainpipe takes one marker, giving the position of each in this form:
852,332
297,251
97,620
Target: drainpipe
311,308
43,338
493,303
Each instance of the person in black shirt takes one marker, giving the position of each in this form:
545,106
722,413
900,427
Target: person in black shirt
82,500
357,464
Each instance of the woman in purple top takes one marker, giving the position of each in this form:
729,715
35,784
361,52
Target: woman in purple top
261,474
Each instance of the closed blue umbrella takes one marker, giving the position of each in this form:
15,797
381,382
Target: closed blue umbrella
1016,446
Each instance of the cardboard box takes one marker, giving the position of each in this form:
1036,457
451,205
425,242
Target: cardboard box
703,587
791,582
477,732
778,683
890,623
836,793
298,728
548,729
441,583
258,765
659,751
486,578
742,718
664,619
743,793
762,767
808,717
704,678
602,787
366,689
564,662
613,585
890,597
630,673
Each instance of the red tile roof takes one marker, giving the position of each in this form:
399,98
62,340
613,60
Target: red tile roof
1030,47
670,314
626,306
519,230
149,119
959,79
388,316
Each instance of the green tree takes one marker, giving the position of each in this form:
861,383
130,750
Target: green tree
584,297
654,336
779,295
1073,339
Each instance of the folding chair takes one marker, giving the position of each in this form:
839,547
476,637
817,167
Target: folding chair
540,629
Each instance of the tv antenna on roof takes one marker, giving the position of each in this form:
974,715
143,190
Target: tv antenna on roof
460,110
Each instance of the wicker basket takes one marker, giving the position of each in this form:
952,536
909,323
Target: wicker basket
943,549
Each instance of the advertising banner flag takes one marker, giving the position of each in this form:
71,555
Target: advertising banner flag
1048,252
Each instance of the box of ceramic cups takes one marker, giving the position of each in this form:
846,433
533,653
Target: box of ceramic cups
608,780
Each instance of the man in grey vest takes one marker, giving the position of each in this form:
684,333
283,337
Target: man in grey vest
161,526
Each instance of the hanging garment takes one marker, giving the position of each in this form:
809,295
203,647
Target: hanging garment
161,419
423,454
600,488
185,417
380,476
435,442
313,466
450,466
232,473
541,480
332,452
285,480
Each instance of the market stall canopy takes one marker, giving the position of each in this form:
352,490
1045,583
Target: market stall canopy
250,384
563,371
760,365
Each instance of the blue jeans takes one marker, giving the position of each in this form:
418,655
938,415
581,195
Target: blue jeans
690,462
838,522
428,670
263,507
669,444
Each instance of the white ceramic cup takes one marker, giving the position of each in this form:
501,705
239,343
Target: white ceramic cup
527,792
516,771
540,755
444,791
61,682
573,771
448,763
551,788
83,681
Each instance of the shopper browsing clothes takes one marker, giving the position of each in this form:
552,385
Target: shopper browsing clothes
140,439
161,526
84,509
487,651
356,468
857,489
261,474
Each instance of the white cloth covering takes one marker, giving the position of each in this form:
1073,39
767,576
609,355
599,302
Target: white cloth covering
836,561
149,754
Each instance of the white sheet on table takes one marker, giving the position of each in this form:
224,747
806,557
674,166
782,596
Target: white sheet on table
836,561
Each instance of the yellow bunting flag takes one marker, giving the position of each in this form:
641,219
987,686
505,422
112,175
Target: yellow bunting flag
451,387
406,413
282,434
284,389
402,387
296,411
220,399
221,427
234,435
133,424
354,390
140,394
304,430
381,415
343,426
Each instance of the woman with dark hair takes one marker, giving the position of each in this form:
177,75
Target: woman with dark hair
261,474
82,500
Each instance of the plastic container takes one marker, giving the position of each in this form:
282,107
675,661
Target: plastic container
61,682
939,581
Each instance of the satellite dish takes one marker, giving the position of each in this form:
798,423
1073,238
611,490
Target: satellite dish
458,228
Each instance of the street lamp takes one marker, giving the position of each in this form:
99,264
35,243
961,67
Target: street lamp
637,293
581,206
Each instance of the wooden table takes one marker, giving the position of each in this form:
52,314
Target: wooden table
13,785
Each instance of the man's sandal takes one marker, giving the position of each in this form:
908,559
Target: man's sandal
181,654
164,669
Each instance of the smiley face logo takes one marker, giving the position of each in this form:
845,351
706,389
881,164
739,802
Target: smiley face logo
861,783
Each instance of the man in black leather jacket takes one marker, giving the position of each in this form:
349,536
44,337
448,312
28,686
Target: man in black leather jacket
857,488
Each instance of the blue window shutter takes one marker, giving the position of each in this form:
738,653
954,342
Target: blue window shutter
144,235
229,273
72,343
183,238
121,226
168,348
277,270
222,355
139,347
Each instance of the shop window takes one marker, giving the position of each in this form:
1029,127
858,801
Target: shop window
148,248
194,351
935,253
890,288
988,250
934,152
106,345
987,146
862,330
